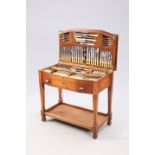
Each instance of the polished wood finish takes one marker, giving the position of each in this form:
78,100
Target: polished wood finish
76,115
110,89
42,95
79,116
95,114
60,95
67,83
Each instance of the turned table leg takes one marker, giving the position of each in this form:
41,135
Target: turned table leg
110,89
60,95
95,111
42,94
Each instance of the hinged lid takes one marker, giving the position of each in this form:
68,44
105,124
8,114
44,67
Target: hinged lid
90,47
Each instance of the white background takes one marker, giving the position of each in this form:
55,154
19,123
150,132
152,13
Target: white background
13,95
44,20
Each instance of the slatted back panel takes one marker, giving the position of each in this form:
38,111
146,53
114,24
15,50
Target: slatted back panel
90,47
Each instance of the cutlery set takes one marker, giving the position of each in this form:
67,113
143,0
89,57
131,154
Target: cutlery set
75,72
89,55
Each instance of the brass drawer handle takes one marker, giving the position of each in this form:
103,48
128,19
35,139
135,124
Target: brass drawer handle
81,88
47,81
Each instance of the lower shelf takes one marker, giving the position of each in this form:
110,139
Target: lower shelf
75,115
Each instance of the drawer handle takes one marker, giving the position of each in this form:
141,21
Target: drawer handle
47,81
81,88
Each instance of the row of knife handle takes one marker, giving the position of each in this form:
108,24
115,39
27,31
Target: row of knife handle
91,55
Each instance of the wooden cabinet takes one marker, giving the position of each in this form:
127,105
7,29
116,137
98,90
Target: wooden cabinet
87,61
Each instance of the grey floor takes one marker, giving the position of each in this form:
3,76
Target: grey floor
56,138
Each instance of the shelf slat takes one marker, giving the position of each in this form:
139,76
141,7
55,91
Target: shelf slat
75,115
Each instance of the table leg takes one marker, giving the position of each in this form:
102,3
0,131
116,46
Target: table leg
60,95
95,111
110,90
42,94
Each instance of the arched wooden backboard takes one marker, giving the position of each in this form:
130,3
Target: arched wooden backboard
90,47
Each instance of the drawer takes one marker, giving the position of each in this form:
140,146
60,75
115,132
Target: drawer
78,85
67,83
52,79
